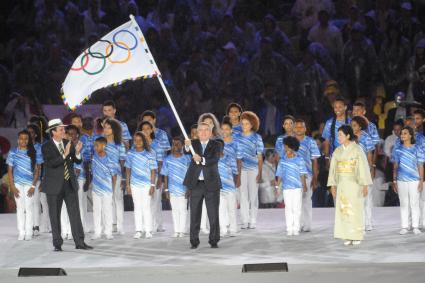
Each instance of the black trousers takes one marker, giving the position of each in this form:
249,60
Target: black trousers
70,196
212,202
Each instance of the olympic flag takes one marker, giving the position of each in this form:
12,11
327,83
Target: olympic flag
120,55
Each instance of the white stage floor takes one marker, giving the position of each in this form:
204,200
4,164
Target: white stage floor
267,243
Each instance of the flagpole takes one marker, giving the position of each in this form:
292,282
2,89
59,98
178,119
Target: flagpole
161,82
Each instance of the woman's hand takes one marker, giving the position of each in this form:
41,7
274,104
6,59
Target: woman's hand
259,178
14,191
31,191
365,191
333,191
395,187
152,190
128,189
420,186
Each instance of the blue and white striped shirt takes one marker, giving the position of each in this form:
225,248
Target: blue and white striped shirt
327,135
88,147
308,150
175,169
290,171
372,130
408,160
230,149
125,132
116,153
226,171
163,146
21,164
278,147
248,149
365,142
141,163
103,169
236,130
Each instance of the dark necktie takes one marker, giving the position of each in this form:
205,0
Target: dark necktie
66,171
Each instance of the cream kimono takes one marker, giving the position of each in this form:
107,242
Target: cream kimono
349,172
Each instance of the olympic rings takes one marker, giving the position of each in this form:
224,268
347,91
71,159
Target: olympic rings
120,61
98,71
102,56
82,65
124,30
109,50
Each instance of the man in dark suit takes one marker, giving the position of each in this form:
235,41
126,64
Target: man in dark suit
60,184
203,181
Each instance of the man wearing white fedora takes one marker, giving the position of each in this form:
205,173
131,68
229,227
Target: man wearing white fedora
60,184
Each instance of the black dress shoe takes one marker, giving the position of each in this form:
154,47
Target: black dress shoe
84,246
194,246
58,249
214,246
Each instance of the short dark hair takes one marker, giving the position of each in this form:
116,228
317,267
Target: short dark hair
178,138
347,130
362,122
341,99
420,112
75,115
194,126
101,140
290,117
292,143
299,120
226,121
149,113
233,105
109,103
359,104
72,127
411,132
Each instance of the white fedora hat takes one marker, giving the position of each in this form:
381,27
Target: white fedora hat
54,123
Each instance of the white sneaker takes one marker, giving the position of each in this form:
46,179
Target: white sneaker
416,231
205,231
289,233
121,232
369,228
28,237
232,234
114,228
95,236
296,233
403,231
70,237
148,235
21,237
347,243
109,237
36,233
138,235
160,230
181,235
244,226
176,235
356,243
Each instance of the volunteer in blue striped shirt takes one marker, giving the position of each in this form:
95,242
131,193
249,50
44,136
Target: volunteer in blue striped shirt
234,111
174,170
408,177
291,179
109,111
250,165
115,149
23,173
161,144
105,175
309,152
288,123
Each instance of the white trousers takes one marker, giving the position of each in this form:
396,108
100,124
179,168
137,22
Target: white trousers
368,205
293,202
307,206
205,222
156,209
102,213
421,209
142,208
82,202
118,205
409,198
65,224
24,210
179,213
249,196
37,205
227,213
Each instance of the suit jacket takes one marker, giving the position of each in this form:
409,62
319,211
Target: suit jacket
54,168
210,169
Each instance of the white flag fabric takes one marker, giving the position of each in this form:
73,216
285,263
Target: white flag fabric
120,55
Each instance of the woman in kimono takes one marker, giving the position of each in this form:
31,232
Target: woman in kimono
349,178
